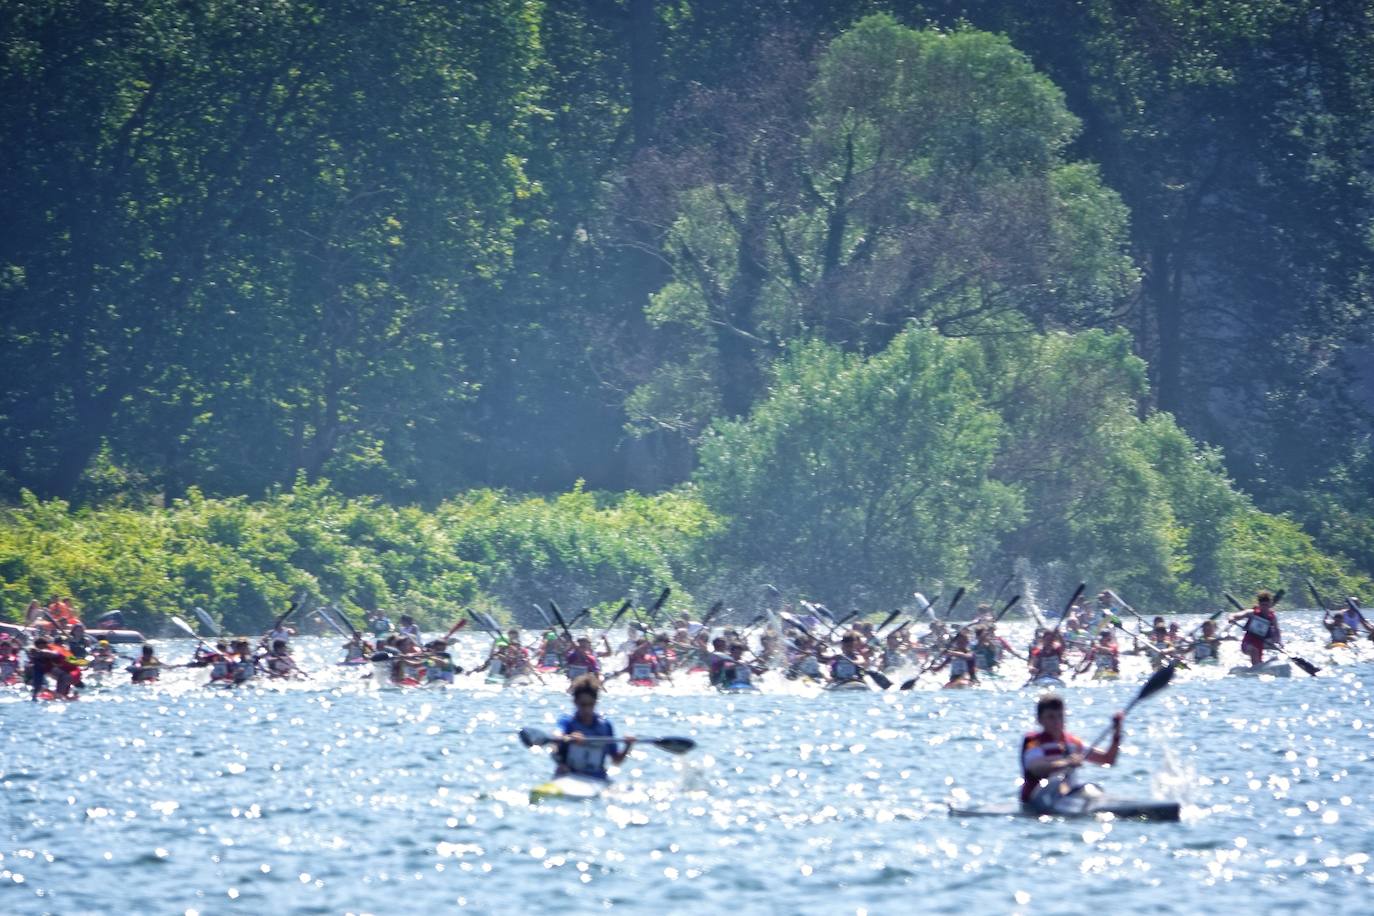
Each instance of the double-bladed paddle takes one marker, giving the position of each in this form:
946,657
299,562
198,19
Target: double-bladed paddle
911,681
1157,682
533,737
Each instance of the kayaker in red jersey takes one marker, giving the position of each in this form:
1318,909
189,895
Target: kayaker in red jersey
1050,758
1261,627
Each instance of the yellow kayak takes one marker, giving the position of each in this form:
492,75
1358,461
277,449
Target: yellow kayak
569,787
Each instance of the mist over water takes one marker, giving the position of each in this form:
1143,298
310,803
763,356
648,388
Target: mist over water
333,795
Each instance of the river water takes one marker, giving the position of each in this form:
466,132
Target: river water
334,796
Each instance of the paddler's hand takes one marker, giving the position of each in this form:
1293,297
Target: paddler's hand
629,742
575,737
1117,719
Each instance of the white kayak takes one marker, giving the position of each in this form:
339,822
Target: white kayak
856,684
571,786
1047,680
1272,668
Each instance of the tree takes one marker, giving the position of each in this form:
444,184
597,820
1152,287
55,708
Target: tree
856,478
922,177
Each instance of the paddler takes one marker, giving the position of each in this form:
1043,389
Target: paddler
582,660
47,658
147,668
1104,655
439,664
1050,758
357,649
1207,647
1047,659
573,754
9,660
962,664
844,666
1261,626
1340,627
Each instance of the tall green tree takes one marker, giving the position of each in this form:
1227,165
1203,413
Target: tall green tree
920,176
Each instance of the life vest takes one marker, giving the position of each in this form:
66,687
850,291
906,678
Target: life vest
1258,626
1106,659
844,670
1204,650
738,674
1036,746
958,667
643,671
1047,665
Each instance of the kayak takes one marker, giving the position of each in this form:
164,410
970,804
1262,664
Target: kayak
1047,680
1272,668
110,636
1106,674
644,682
856,684
569,787
959,684
1120,808
737,688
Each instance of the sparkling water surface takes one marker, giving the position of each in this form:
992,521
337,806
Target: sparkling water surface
337,795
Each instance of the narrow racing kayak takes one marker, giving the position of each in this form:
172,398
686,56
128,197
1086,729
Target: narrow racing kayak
1272,668
571,787
856,684
1045,681
1104,806
737,688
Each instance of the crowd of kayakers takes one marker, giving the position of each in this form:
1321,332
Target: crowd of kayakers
800,642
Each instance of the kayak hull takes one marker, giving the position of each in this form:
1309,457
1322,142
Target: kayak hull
1119,808
1046,681
1272,669
113,637
861,686
737,688
571,788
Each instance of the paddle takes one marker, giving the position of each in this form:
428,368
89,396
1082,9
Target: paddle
924,604
572,621
558,615
1077,593
711,614
615,618
952,602
187,629
533,737
1157,682
890,617
322,612
911,681
877,677
1302,663
208,621
652,612
295,603
548,623
334,609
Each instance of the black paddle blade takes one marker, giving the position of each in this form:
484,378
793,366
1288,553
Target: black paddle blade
1157,682
662,599
533,737
615,618
1008,606
1077,593
953,601
1305,665
890,617
882,680
715,609
1234,603
674,745
908,683
1316,595
1278,595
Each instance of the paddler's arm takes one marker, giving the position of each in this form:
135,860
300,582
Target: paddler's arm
1108,757
618,756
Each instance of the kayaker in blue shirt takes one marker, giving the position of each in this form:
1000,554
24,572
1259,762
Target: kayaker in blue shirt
573,753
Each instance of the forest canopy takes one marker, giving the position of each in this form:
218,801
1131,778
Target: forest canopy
435,303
